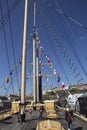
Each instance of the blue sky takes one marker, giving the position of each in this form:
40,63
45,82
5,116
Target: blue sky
64,42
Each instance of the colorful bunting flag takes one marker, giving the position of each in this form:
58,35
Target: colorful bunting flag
46,55
47,79
58,78
63,85
20,60
7,80
54,72
11,72
48,60
51,65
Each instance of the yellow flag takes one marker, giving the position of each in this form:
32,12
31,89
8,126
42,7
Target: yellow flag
51,65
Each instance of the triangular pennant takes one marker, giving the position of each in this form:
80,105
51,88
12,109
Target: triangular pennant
48,60
46,55
51,65
11,72
7,80
20,61
63,85
58,78
54,72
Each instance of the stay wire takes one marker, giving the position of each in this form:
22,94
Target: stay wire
75,53
10,27
65,53
6,48
60,45
48,28
53,33
68,17
11,11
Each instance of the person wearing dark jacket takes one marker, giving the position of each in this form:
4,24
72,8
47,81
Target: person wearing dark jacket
69,117
40,116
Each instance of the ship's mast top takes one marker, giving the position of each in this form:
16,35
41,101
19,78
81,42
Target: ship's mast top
34,13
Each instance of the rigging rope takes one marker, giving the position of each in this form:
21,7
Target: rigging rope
6,48
11,10
68,17
75,53
56,39
12,43
79,61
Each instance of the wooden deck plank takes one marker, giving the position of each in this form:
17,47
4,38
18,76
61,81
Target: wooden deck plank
31,122
13,124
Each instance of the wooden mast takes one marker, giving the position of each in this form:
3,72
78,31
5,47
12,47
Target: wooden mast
34,57
23,80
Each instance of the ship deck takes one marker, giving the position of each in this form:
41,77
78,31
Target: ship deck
12,123
32,121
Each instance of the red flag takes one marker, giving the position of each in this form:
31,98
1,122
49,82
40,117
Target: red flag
63,85
48,60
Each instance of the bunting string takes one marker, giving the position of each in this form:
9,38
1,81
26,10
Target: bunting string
62,49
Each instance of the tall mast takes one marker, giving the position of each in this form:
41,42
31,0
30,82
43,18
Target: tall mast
34,13
34,57
40,82
23,81
37,72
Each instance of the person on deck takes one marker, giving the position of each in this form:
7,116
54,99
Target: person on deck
69,117
18,116
40,116
30,112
